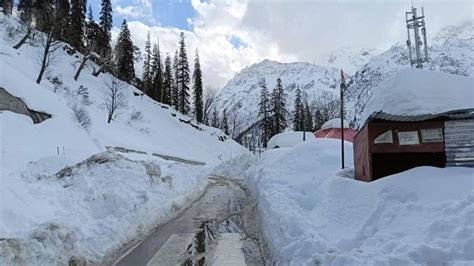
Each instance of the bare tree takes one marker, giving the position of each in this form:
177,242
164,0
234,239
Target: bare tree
114,96
210,100
48,41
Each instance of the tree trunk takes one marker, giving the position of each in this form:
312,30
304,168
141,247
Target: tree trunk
109,118
45,59
24,39
83,63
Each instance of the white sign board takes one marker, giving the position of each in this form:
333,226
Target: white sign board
432,135
386,137
408,138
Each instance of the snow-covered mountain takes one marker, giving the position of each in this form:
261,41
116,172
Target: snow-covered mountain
241,94
348,59
452,52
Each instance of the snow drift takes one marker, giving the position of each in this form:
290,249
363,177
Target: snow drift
313,214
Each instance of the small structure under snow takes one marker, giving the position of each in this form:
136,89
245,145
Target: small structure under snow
288,139
416,118
332,129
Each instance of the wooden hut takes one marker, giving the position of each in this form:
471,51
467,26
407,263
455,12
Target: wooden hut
389,144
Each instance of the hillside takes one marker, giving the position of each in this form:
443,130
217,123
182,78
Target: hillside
89,189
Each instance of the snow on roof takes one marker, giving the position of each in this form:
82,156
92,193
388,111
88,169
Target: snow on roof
334,123
420,92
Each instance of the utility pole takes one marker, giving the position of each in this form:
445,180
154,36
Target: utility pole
414,24
342,87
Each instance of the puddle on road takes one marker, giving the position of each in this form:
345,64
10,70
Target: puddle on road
224,208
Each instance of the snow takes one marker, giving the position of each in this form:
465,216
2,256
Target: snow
335,123
288,139
241,94
99,208
312,213
418,92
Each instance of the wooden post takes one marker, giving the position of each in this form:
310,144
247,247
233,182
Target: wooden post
342,87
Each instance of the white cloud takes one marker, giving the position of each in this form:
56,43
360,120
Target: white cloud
300,30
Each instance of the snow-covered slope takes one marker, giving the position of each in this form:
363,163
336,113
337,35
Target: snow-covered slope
99,206
312,213
241,94
452,52
348,59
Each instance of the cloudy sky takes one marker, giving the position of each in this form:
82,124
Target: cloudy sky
232,34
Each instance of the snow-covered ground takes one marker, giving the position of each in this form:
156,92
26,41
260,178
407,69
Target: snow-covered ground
312,213
95,209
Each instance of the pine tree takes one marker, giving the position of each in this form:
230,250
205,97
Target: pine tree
42,11
63,9
25,7
279,112
175,85
78,17
147,75
167,81
215,118
318,120
298,112
183,77
124,55
93,32
264,114
157,73
308,118
197,89
106,26
224,124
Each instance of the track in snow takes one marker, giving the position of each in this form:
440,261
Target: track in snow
219,226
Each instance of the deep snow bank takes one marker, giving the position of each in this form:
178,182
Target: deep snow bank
312,214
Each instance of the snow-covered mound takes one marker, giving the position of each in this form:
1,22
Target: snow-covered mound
452,51
100,207
241,94
335,123
313,214
418,92
288,139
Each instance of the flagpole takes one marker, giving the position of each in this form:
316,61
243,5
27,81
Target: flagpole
342,118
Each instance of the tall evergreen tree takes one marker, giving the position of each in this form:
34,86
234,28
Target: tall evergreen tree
215,118
183,77
175,87
147,75
93,32
264,114
157,73
298,112
197,89
42,11
224,123
105,21
63,9
167,81
308,118
78,18
25,7
279,112
124,55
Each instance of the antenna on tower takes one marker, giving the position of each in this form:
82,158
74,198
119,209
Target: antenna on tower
414,24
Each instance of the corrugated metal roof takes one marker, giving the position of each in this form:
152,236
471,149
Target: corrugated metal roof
452,115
